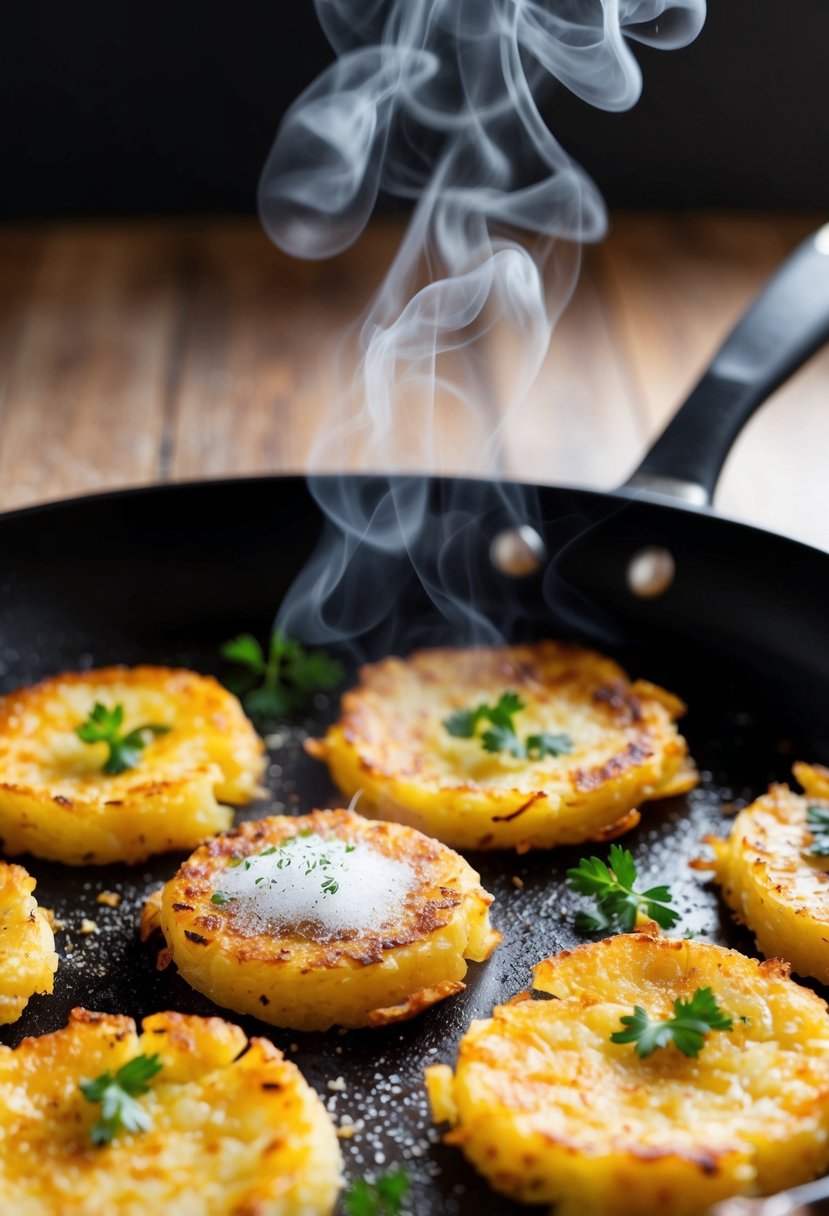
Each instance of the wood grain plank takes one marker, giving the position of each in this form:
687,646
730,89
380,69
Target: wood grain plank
256,369
776,475
85,402
267,376
194,348
21,247
582,422
676,285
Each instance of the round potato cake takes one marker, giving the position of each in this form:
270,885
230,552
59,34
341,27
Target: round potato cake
28,961
224,1127
550,1110
427,742
774,871
197,749
323,919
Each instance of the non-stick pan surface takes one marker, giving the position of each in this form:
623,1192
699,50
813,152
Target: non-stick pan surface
194,565
166,575
382,1071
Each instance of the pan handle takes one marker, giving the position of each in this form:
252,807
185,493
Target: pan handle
786,324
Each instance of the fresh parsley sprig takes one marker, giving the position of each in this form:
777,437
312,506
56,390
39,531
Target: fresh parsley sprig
817,821
502,736
687,1029
117,1095
618,903
104,726
381,1198
280,682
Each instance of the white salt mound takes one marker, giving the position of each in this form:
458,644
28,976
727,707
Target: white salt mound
318,884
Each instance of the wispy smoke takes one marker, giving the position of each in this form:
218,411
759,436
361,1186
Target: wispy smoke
437,102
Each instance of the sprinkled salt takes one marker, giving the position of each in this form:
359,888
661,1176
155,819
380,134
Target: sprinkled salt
325,886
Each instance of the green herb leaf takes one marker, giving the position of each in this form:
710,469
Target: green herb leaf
546,744
588,922
505,709
219,897
245,650
501,735
623,866
503,739
381,1198
104,725
817,820
464,722
315,671
617,901
279,685
270,702
687,1029
101,724
116,1095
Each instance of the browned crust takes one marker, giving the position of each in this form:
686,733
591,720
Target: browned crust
140,675
633,754
626,824
414,1004
707,1160
428,906
368,722
212,697
116,1024
142,789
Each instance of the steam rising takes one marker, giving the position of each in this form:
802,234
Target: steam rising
437,102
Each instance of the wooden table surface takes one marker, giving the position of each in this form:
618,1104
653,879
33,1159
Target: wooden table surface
135,352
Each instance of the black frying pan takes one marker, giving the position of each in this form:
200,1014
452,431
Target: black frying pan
739,629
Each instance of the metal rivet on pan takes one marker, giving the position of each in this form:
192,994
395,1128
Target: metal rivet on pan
650,572
517,552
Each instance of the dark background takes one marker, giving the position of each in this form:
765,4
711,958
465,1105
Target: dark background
172,108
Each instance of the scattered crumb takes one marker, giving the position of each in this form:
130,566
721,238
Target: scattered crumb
88,926
347,1132
517,882
337,1086
294,1047
110,899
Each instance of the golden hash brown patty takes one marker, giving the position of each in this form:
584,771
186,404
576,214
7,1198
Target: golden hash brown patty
391,938
392,744
28,960
56,802
550,1111
235,1130
772,881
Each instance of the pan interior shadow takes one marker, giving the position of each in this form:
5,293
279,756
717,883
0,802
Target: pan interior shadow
377,1075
